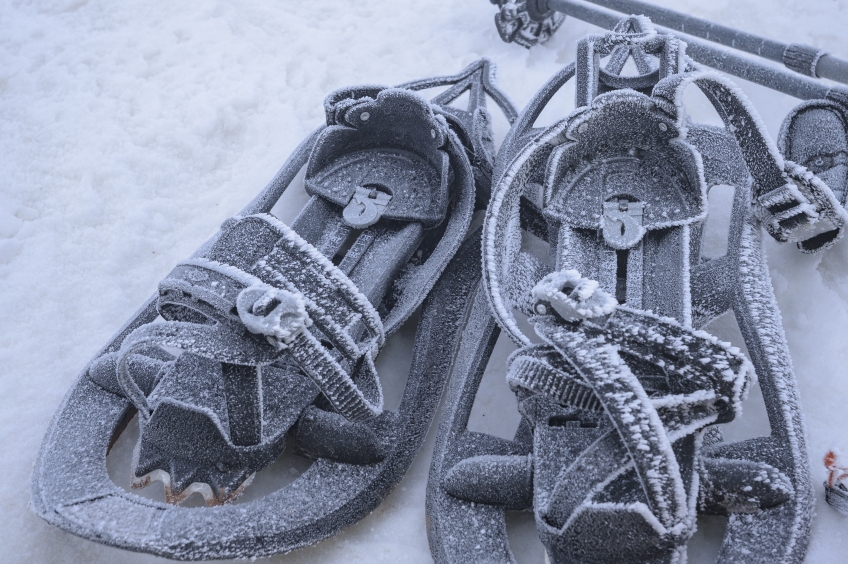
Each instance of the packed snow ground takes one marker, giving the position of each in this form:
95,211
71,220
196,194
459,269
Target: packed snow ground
129,131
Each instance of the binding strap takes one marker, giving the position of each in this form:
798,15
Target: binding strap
293,301
583,366
636,421
792,203
540,368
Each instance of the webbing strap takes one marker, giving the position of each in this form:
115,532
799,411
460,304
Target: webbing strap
532,368
295,261
334,382
787,198
333,303
632,414
764,161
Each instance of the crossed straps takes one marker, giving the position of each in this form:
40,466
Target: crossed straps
700,381
291,301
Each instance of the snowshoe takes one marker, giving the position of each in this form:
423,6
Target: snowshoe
621,393
269,333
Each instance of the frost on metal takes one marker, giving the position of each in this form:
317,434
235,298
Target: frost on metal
268,334
620,444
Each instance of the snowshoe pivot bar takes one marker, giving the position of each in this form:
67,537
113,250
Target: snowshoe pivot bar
519,23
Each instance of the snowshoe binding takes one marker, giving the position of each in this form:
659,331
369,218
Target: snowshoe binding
621,395
269,333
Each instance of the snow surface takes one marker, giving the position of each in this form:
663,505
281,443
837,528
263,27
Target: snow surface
131,130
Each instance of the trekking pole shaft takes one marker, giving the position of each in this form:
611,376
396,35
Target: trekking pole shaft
804,59
700,28
707,54
833,68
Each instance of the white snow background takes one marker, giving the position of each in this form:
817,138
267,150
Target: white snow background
130,130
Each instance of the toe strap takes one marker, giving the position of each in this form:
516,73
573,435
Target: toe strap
289,301
223,344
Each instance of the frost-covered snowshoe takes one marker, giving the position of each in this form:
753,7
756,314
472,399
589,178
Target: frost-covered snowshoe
815,135
275,330
617,450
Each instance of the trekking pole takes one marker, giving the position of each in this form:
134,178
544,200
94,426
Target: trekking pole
535,24
803,59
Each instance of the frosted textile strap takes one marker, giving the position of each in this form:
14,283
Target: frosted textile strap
633,416
706,380
534,368
337,313
706,377
334,303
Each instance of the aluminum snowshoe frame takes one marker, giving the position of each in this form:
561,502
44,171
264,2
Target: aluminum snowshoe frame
475,477
70,485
